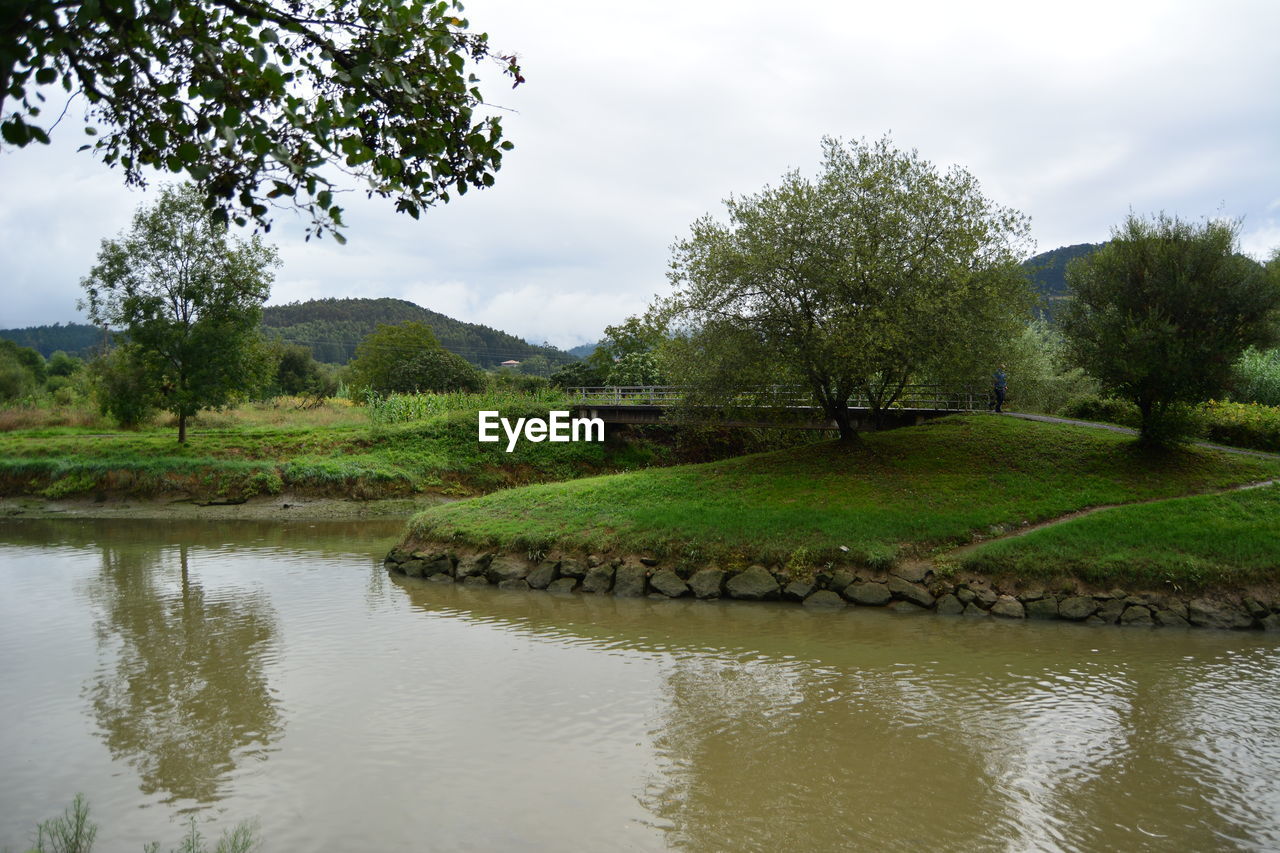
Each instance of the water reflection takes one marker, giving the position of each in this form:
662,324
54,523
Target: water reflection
181,693
780,729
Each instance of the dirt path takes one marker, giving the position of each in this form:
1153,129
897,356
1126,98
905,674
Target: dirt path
1049,419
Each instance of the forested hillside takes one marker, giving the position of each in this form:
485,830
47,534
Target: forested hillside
1048,272
333,327
78,339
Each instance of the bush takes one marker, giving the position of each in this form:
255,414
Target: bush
1091,407
1242,424
1257,377
122,389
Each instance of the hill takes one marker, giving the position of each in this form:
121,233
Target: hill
333,327
1048,271
78,339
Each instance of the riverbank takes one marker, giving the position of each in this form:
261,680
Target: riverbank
907,508
283,507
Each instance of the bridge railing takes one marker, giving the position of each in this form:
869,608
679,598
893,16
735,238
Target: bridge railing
957,398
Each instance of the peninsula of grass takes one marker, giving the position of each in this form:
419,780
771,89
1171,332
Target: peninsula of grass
1221,540
912,492
343,457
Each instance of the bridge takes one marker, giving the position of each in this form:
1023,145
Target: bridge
778,406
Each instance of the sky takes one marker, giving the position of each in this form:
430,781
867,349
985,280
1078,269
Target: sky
638,118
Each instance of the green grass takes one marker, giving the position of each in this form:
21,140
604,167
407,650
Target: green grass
904,492
1207,540
439,454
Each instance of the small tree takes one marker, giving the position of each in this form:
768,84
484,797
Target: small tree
1161,314
408,357
188,297
878,272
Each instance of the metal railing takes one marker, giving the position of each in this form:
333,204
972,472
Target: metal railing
952,398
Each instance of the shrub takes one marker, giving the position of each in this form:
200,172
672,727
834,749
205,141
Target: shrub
1257,377
1242,424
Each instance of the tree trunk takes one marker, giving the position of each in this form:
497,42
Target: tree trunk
844,424
182,427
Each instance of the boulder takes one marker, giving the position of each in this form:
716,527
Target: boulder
1171,619
562,586
907,591
914,572
571,567
1271,623
441,564
1042,608
868,594
707,583
824,598
649,561
413,568
965,594
668,583
840,580
799,590
543,575
1035,593
508,567
629,580
1008,607
984,597
397,555
1208,613
755,584
1077,608
972,609
1256,608
1110,610
1136,614
599,579
472,564
950,605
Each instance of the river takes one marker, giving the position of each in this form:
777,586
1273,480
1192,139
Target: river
274,672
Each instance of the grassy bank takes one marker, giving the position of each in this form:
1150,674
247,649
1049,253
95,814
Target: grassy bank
903,493
1209,540
334,452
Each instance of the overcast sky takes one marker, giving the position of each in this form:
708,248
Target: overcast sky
636,120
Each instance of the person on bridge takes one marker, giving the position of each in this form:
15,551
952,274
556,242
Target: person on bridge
1000,385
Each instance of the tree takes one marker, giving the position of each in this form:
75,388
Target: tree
1161,313
877,272
297,373
259,101
189,298
406,358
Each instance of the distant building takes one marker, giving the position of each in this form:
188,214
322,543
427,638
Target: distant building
511,362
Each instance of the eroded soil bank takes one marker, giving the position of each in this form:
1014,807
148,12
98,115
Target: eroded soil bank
912,587
261,508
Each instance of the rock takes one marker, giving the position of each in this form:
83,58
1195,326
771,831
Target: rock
473,564
1136,614
1042,608
442,564
972,609
1170,619
965,594
1137,600
1256,608
630,580
914,572
543,575
950,605
668,583
398,555
1008,607
1077,607
441,577
413,568
1035,593
562,586
824,598
984,597
1271,623
571,567
840,580
1111,610
475,580
508,567
514,583
649,561
798,590
908,591
1217,614
599,579
593,560
754,584
1095,619
707,583
868,594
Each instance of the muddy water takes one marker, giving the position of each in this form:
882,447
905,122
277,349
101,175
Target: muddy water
274,672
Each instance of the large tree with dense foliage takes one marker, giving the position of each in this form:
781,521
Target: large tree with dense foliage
877,272
261,101
408,358
188,297
1162,312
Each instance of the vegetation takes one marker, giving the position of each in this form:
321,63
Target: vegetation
408,358
73,832
1208,540
189,297
1048,272
878,273
77,339
1257,377
1160,314
906,492
260,102
332,328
